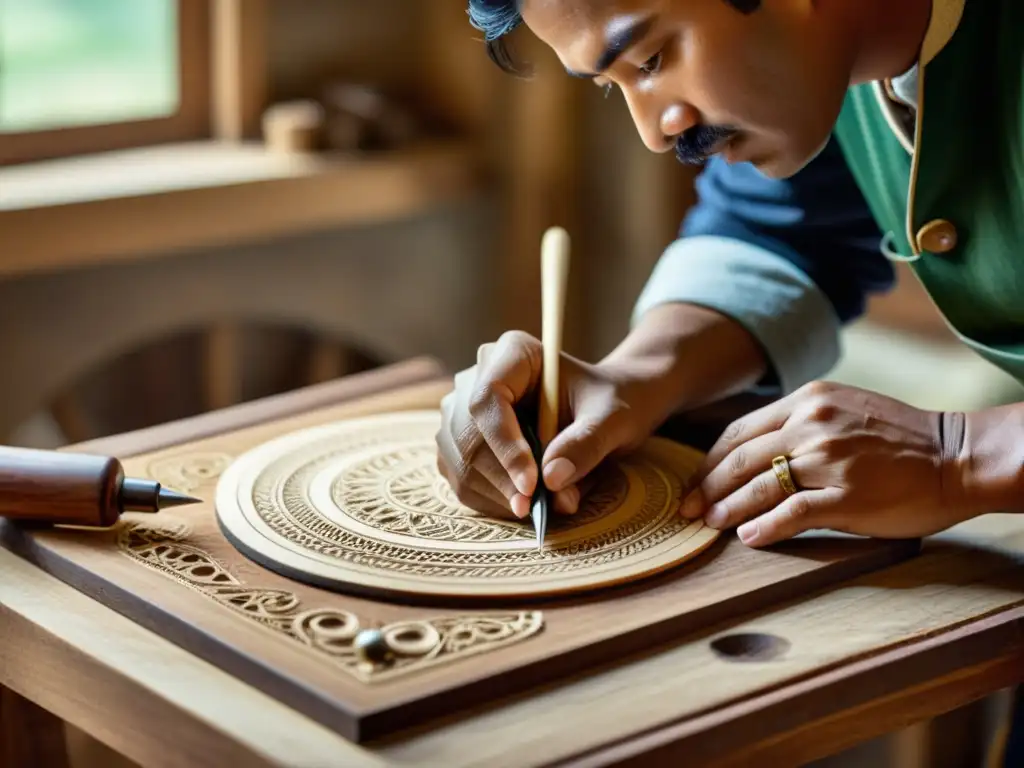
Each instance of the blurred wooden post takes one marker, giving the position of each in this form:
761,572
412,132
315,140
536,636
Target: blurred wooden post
240,78
542,161
526,130
239,58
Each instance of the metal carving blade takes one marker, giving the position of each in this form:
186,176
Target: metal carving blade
540,504
539,513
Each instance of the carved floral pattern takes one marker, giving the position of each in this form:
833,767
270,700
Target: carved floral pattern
188,472
280,497
413,645
401,492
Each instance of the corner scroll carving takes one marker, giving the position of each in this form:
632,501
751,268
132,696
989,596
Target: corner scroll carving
370,654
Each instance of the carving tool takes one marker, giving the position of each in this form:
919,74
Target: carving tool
59,488
554,276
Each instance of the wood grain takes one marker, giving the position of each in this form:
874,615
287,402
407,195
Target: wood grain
726,581
115,679
132,690
864,658
47,487
363,510
29,735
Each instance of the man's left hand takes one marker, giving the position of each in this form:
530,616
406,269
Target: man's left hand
860,462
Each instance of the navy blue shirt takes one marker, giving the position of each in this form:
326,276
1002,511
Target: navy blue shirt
793,260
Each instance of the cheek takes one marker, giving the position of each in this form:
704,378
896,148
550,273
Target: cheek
766,88
729,83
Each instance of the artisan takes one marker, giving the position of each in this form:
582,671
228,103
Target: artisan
836,137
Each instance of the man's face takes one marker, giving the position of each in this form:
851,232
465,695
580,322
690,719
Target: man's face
763,86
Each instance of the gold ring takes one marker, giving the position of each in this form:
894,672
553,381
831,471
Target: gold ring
781,466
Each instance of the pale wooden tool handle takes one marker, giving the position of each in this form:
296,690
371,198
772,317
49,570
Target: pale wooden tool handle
554,277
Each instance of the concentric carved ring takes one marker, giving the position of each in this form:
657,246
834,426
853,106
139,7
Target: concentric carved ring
359,506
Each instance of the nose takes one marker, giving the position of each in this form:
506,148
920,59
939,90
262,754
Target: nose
661,124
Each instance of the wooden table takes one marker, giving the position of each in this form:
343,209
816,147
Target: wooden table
866,657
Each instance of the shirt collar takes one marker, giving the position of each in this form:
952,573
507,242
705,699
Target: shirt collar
945,19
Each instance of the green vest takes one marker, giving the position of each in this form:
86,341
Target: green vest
955,210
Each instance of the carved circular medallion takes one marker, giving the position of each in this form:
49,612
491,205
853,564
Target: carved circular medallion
359,506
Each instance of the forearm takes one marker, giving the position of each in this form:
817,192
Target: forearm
759,290
684,355
988,471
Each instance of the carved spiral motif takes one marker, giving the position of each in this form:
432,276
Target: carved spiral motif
412,638
327,630
334,634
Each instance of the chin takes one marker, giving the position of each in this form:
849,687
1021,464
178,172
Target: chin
789,162
774,167
769,160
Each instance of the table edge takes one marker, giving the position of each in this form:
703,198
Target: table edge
417,370
718,736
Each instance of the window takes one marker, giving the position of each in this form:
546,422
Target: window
80,76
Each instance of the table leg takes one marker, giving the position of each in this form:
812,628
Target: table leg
29,734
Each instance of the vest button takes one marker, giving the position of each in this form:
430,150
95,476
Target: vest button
938,236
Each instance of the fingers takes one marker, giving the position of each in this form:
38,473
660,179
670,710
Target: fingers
800,512
481,450
481,437
505,375
760,494
480,476
763,421
570,499
733,452
482,500
567,500
467,481
582,445
733,471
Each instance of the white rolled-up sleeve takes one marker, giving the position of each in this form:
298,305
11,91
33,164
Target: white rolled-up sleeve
768,295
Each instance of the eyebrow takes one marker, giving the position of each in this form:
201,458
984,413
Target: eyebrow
619,40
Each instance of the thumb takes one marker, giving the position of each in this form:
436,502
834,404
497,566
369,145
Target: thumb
582,445
506,373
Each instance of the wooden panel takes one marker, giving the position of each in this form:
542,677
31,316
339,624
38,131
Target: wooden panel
115,679
578,634
865,656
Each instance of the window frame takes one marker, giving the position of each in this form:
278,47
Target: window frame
191,121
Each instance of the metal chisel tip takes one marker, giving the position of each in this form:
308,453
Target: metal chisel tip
539,513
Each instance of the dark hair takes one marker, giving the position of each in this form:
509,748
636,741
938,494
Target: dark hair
497,18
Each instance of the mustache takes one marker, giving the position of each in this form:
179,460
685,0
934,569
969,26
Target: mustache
696,143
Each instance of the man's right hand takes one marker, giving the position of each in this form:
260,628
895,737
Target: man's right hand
481,449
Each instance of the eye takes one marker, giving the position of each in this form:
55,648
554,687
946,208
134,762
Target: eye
652,65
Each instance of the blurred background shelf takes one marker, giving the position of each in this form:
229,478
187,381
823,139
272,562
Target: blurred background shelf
120,205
